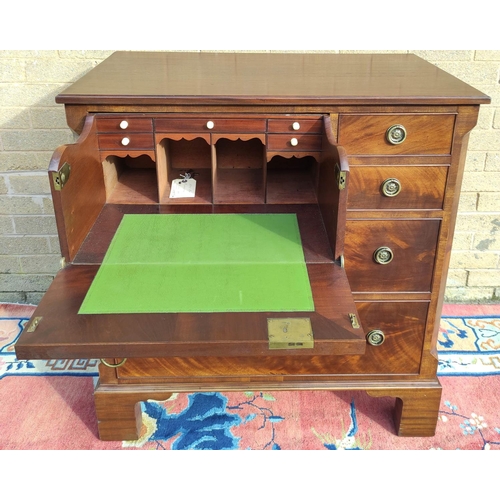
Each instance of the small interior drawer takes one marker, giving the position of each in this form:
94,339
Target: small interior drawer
390,255
284,142
295,125
411,134
210,124
125,141
399,187
124,124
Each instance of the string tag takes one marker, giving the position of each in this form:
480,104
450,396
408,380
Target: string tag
183,188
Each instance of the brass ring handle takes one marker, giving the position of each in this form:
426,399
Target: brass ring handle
396,134
121,363
383,255
375,337
391,187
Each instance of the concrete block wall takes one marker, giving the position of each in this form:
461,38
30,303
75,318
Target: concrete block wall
32,126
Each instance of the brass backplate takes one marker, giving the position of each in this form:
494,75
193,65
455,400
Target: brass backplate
341,177
34,323
290,333
354,320
61,176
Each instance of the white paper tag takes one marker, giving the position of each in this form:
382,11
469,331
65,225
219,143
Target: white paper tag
183,188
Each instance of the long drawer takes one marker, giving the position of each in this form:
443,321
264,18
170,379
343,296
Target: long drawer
400,324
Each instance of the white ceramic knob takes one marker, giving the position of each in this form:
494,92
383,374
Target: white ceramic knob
210,125
294,141
125,141
296,125
124,124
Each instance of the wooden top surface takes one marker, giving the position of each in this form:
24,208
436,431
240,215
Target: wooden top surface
268,78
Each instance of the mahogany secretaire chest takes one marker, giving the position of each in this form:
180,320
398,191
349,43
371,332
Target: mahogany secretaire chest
360,156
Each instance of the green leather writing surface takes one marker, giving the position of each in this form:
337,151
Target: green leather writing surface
202,263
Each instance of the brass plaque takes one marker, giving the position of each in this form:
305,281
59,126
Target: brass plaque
290,333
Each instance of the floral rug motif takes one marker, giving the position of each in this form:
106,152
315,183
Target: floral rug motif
469,345
469,357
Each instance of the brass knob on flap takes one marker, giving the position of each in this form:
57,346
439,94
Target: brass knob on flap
396,134
391,187
383,255
375,337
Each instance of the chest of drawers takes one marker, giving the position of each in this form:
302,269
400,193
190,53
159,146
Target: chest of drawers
368,152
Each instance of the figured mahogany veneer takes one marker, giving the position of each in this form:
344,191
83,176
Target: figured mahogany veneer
426,134
413,243
266,133
421,187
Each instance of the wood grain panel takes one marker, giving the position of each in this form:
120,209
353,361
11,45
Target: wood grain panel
63,333
413,243
75,210
422,187
426,134
402,323
205,78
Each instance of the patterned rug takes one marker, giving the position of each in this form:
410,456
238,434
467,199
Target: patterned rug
49,404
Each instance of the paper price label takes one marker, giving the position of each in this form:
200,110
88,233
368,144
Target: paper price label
183,188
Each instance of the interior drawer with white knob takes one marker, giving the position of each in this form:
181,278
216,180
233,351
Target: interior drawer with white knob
211,124
396,134
293,142
124,123
118,142
295,124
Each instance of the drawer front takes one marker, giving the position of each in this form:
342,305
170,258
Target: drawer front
284,142
295,125
118,142
402,325
207,124
124,124
422,135
405,251
380,188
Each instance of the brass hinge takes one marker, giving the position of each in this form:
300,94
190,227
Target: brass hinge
60,178
354,320
34,324
341,177
290,333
